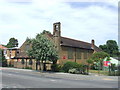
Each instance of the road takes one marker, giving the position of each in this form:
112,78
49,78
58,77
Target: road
17,78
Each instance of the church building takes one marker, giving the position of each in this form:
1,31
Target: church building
68,50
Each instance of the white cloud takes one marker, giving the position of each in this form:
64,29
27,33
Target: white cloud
25,19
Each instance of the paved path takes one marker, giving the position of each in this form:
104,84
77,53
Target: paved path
15,78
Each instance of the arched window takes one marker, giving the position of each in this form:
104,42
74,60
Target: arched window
57,27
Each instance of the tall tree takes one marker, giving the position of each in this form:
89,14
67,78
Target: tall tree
111,48
42,49
12,43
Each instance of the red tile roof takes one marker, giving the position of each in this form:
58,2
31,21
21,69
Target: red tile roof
2,47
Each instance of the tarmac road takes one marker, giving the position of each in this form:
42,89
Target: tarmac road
21,78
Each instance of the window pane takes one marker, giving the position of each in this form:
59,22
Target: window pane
78,53
85,55
70,53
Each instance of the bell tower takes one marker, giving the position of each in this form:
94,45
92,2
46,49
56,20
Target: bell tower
57,29
57,34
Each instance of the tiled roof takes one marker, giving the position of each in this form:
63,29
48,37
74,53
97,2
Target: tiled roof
78,44
2,47
97,49
75,43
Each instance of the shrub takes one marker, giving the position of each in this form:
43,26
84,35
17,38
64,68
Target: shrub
10,65
56,67
70,65
28,68
74,71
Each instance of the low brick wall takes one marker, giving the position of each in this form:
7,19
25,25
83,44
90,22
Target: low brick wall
17,63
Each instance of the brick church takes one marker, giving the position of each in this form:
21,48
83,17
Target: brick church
68,50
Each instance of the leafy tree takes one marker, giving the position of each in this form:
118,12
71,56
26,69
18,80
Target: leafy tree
104,48
45,31
3,61
89,61
12,43
42,49
111,48
98,58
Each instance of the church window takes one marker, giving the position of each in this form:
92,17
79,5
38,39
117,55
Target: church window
70,53
85,54
78,55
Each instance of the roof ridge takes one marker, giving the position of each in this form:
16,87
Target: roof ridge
76,40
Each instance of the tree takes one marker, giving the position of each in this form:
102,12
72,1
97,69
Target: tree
45,31
111,48
89,61
3,61
98,58
12,43
104,48
42,49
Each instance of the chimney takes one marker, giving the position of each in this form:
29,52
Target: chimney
92,43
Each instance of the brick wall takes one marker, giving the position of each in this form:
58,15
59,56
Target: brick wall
18,64
63,56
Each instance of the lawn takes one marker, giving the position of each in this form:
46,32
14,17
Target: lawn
101,72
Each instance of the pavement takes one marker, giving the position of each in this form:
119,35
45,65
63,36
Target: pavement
17,78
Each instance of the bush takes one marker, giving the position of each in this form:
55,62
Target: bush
10,65
56,67
75,71
70,65
27,68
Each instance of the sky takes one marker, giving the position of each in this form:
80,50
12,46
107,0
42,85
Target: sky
79,20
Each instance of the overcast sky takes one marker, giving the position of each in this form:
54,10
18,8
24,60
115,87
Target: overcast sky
80,20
